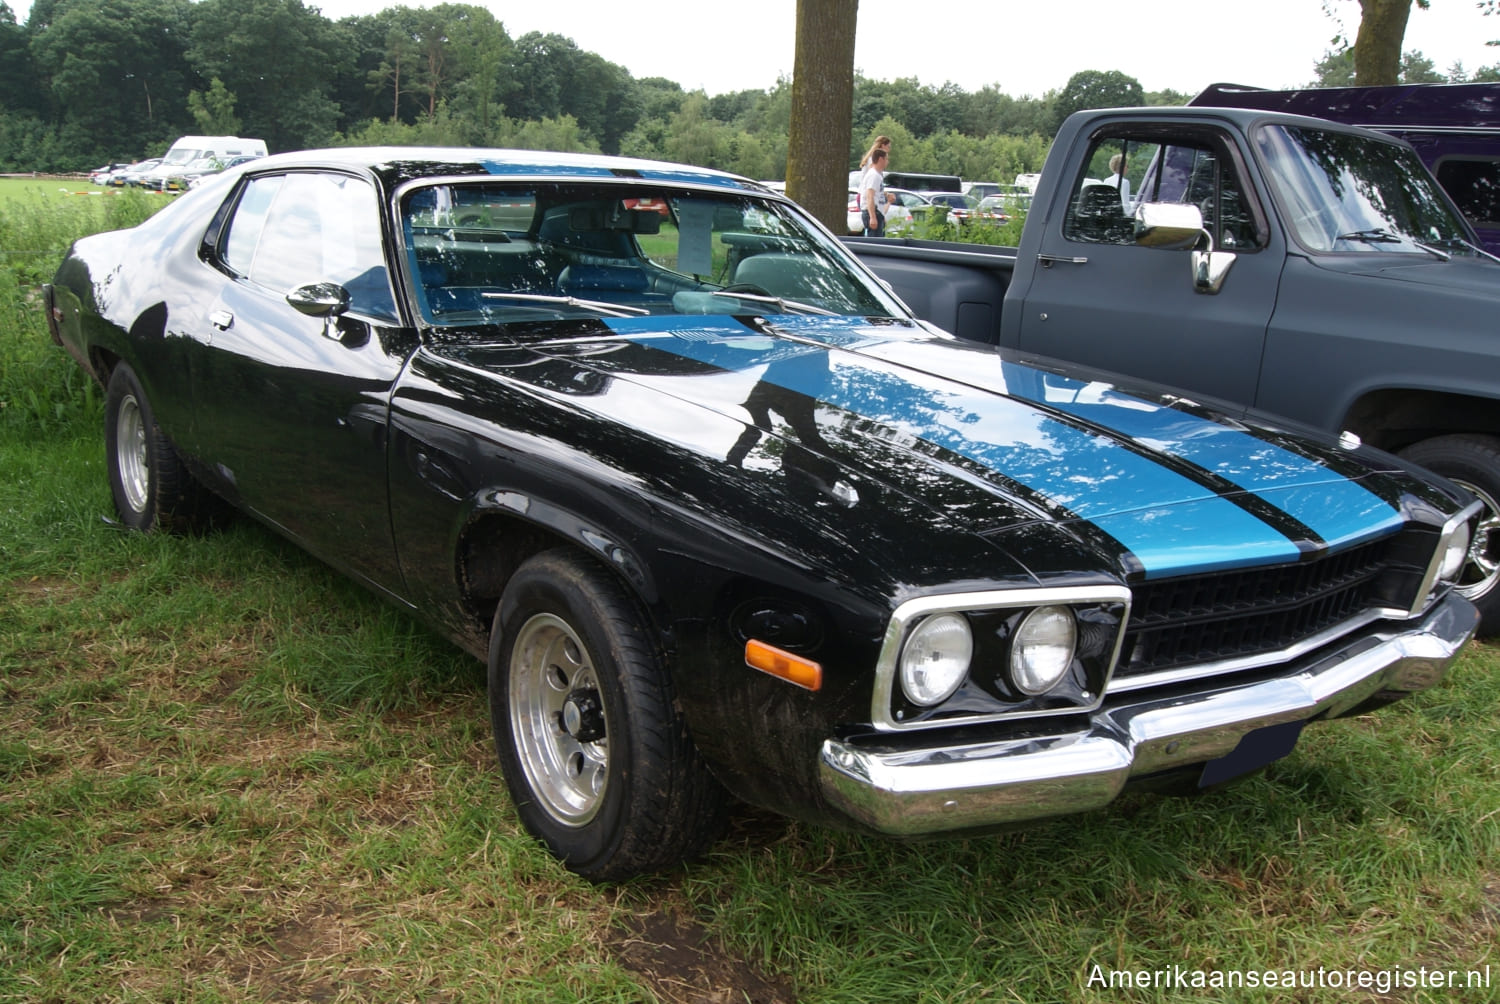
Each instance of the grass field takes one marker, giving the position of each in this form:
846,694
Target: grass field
226,774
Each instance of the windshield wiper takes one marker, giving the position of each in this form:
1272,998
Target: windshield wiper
1372,237
598,306
782,306
1460,243
1381,236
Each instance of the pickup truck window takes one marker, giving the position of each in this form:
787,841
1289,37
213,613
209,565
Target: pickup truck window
1124,171
1353,194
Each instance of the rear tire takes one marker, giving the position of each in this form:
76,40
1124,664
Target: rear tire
151,487
595,753
1473,463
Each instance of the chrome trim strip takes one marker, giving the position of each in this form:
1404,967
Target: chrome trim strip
941,788
913,610
1294,651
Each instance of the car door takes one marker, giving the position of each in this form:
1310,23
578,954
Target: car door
1098,298
293,409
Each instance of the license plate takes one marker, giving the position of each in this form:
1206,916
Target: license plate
1255,750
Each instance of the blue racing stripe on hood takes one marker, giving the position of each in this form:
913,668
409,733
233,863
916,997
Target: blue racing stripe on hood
637,172
1340,511
1170,523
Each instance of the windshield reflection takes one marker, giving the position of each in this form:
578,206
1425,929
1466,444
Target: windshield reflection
487,252
1355,194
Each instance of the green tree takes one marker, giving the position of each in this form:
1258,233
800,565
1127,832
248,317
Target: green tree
482,50
279,58
1096,89
1336,69
822,103
213,112
115,72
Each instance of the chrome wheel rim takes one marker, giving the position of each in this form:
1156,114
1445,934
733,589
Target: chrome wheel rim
1482,569
130,454
556,720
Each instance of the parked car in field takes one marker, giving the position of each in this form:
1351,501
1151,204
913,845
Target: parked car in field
963,209
722,517
133,175
901,211
185,181
101,175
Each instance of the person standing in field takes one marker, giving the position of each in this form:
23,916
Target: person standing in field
872,194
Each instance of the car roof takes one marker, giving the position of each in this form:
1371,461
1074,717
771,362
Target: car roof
398,164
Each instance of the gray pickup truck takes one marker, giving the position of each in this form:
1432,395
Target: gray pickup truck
1287,265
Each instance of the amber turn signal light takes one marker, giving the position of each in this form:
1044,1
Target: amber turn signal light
783,665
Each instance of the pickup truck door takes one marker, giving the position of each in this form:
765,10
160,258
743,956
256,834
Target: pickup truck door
1096,297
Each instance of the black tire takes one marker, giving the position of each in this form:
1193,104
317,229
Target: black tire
596,755
151,487
1473,462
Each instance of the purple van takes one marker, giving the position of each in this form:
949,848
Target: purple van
1454,127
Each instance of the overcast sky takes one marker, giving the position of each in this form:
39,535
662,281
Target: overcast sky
1021,47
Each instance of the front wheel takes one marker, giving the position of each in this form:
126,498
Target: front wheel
151,487
1472,462
597,758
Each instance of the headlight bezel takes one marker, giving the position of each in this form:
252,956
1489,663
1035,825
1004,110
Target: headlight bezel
1102,612
1460,522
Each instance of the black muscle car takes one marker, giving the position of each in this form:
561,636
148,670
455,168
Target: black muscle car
724,518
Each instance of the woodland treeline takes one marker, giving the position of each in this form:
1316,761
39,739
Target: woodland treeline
84,82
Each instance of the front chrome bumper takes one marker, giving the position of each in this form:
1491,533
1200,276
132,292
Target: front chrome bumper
906,791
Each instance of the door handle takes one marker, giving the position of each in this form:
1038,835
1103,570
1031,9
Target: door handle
221,319
1048,259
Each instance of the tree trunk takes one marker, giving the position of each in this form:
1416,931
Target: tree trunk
817,158
1377,47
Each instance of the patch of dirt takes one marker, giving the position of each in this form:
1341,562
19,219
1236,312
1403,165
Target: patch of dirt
681,963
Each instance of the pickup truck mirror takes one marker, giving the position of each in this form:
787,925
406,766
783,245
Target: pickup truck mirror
1167,224
1180,225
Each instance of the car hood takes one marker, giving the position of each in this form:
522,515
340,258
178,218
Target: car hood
1467,277
993,444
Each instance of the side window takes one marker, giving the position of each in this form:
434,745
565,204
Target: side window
1123,172
296,229
1474,185
249,220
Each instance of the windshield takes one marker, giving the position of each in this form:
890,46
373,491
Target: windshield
1350,193
178,156
484,252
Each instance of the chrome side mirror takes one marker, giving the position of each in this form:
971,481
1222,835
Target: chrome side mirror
320,299
1210,268
1180,225
1167,225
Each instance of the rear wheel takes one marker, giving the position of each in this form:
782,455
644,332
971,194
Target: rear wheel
597,757
151,487
1473,463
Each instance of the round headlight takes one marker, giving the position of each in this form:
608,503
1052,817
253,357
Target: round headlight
1456,554
936,658
1042,649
